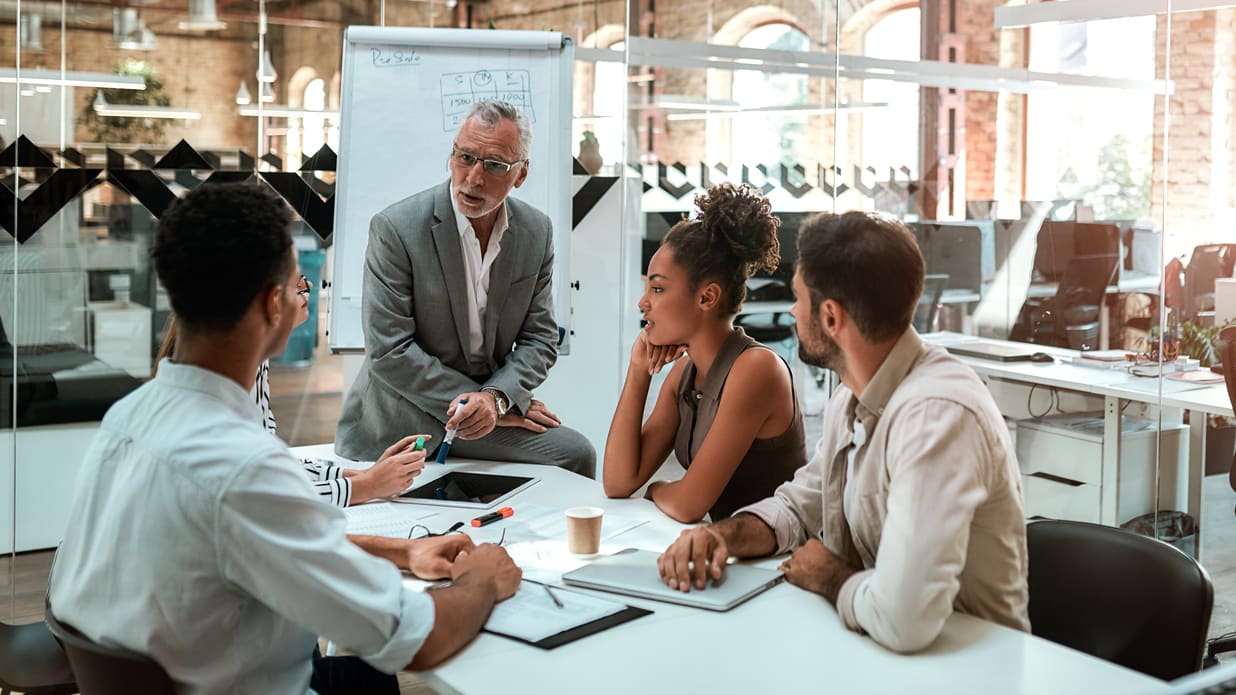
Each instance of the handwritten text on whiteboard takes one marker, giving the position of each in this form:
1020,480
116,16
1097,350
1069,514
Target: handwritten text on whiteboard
460,90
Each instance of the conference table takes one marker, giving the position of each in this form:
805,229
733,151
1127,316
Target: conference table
1117,387
783,640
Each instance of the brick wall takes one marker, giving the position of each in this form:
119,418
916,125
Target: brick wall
982,47
204,71
198,72
1201,205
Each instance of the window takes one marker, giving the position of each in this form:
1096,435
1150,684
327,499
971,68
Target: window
759,138
1093,144
890,133
307,134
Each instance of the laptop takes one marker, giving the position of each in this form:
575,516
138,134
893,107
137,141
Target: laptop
993,351
634,572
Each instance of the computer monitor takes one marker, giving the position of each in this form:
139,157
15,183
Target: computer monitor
1059,241
955,250
1096,239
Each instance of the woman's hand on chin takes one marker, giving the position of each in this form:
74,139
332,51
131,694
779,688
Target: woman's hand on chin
649,357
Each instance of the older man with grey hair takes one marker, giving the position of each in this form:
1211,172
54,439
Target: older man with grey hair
458,312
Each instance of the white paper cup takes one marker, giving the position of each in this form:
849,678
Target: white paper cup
584,530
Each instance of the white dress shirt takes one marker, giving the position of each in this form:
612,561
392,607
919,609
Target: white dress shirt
934,512
197,539
476,268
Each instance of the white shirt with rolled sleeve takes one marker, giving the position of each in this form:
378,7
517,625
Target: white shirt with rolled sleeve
927,501
197,539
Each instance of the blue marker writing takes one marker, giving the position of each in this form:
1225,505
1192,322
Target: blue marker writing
450,437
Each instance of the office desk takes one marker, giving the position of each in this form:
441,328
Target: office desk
784,640
1116,387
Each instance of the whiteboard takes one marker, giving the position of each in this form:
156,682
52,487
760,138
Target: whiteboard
403,95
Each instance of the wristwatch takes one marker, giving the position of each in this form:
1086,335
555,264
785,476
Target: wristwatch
500,399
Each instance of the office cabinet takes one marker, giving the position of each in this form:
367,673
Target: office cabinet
1061,459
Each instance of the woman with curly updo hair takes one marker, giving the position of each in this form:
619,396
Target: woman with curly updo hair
728,411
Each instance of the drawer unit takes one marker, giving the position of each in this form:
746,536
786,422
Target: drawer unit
1061,460
1058,498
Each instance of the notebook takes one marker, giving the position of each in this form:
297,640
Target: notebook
1197,376
549,617
993,351
634,572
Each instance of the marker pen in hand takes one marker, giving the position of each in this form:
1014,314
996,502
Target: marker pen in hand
445,447
418,445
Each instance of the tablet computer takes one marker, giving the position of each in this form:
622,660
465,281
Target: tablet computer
464,489
634,572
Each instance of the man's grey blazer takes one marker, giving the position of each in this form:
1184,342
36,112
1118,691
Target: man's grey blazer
416,325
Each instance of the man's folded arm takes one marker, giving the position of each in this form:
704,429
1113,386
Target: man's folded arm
795,508
290,551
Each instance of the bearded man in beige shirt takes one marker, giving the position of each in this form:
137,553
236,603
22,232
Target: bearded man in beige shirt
912,505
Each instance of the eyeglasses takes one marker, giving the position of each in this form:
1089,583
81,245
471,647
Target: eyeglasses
419,531
493,167
303,285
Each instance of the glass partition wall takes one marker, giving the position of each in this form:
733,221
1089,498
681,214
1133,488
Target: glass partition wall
1070,184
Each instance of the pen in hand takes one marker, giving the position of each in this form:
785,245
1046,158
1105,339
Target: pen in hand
450,437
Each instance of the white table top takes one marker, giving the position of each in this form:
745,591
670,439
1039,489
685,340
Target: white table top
785,640
1066,374
1212,399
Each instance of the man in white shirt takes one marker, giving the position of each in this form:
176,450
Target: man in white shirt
196,537
458,312
912,504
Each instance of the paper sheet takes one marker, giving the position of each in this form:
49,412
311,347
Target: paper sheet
535,522
532,615
384,519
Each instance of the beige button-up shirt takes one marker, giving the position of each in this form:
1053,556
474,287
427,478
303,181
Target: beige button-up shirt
935,503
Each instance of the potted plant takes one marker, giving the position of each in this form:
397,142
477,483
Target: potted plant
1201,343
138,131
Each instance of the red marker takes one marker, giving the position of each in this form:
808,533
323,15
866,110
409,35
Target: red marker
492,517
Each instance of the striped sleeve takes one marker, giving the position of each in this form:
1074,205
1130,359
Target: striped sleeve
261,395
322,469
337,491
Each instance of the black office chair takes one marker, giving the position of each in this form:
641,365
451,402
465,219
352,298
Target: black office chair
1071,317
32,662
1207,263
928,309
774,329
1117,595
104,670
